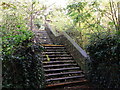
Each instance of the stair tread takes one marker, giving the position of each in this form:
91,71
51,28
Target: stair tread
54,48
61,65
45,42
66,83
63,78
69,61
58,55
55,52
64,73
60,69
43,37
59,58
49,45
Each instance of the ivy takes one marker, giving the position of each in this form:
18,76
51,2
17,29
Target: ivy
21,57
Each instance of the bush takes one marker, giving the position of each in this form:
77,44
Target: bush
105,67
11,42
23,69
21,58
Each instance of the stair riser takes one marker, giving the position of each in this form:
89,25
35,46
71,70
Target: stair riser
62,75
54,47
58,58
58,66
53,63
60,70
67,78
67,85
55,53
66,73
54,50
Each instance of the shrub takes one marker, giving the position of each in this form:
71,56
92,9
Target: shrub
23,69
21,58
105,67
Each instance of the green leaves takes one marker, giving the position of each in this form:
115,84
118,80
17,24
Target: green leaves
18,26
25,64
111,23
104,51
7,5
72,14
78,12
14,33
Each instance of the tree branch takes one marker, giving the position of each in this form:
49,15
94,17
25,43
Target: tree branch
111,7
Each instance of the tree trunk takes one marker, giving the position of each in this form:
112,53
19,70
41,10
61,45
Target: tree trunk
81,41
119,16
31,17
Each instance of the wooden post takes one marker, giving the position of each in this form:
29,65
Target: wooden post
118,15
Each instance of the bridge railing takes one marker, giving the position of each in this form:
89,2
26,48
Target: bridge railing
79,55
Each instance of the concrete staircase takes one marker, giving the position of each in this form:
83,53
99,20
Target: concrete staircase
61,71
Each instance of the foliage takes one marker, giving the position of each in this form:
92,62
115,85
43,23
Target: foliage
86,17
21,62
104,51
13,33
83,20
23,69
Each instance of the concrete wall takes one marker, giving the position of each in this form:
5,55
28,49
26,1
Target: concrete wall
79,55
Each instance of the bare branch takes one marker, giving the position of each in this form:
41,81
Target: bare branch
111,7
108,17
114,11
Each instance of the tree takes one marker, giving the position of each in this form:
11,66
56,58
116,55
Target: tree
119,16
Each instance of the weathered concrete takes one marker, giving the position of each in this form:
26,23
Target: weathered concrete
79,55
41,36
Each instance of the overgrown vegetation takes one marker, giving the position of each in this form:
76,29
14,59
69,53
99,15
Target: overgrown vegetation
82,18
94,24
23,68
21,57
104,51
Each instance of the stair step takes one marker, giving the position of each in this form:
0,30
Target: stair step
54,62
62,69
55,53
55,50
62,59
41,31
64,73
64,78
45,42
67,83
54,47
43,37
51,45
59,65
